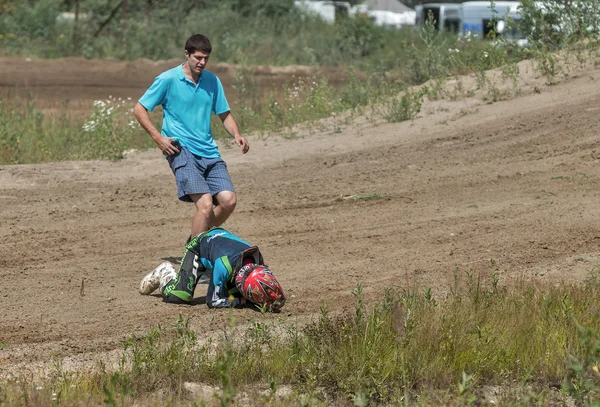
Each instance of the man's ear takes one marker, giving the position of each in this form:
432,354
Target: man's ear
187,54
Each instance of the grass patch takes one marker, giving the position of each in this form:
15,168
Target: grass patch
27,135
411,348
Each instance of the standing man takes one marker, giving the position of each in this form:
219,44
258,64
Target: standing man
189,95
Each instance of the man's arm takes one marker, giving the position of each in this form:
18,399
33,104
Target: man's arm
232,128
164,143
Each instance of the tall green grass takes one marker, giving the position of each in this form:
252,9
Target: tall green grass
27,135
410,348
29,30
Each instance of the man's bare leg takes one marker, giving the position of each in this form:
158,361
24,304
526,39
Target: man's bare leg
204,218
227,201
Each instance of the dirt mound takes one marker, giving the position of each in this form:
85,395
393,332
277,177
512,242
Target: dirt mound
508,188
80,81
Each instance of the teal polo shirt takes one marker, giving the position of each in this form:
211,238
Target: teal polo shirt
187,108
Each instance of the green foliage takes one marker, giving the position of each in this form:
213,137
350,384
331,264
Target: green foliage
29,21
28,135
163,357
583,382
405,106
358,37
430,56
269,32
555,23
267,8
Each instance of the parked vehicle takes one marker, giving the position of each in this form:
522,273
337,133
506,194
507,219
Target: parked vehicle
446,16
478,19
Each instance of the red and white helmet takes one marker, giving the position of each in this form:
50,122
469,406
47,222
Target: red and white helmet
257,284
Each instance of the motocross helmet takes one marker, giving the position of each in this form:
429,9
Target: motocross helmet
258,285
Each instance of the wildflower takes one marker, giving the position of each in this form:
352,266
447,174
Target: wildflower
89,126
485,54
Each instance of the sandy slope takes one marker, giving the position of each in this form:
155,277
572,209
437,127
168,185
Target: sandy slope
516,182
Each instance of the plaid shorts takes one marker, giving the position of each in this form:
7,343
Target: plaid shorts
197,175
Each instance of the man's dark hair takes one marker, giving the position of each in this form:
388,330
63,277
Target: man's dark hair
198,42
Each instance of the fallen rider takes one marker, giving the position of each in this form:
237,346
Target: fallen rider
235,270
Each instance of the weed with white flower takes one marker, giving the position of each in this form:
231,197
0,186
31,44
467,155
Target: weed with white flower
109,116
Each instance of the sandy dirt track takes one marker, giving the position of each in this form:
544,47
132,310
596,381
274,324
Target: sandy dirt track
516,182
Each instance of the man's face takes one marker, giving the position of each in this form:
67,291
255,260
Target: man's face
197,61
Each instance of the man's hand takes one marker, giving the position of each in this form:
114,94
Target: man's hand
242,142
233,129
167,145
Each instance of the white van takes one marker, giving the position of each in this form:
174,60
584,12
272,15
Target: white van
445,15
477,19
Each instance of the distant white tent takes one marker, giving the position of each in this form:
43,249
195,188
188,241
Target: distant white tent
387,5
388,13
326,9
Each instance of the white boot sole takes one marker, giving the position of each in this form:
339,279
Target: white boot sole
152,280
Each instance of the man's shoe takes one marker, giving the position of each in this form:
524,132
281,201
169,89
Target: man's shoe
159,277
